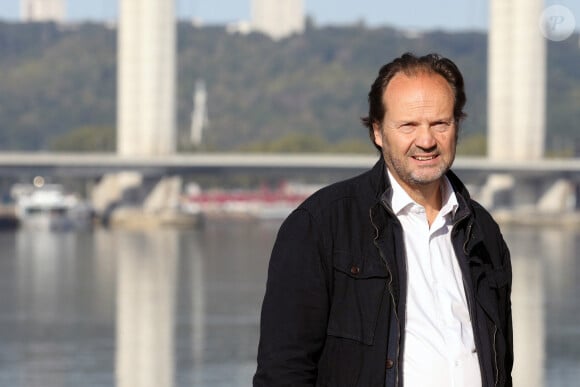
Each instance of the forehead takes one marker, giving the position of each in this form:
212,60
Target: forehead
422,90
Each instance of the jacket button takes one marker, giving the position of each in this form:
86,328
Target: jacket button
390,364
354,269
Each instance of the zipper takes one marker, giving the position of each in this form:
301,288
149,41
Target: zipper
476,338
468,236
391,292
495,356
397,352
472,312
470,295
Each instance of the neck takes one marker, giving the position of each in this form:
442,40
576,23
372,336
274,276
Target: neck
427,195
430,198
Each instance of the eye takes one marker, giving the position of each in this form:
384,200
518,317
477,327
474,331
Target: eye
441,126
407,127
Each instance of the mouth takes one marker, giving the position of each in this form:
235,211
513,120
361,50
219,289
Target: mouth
425,158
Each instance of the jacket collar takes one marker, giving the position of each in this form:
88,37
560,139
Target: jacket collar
382,188
379,181
465,212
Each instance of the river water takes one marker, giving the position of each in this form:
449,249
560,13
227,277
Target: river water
168,308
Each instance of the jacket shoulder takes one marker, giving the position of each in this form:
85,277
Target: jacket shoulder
491,234
357,189
483,217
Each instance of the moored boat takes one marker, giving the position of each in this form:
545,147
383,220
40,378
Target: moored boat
49,207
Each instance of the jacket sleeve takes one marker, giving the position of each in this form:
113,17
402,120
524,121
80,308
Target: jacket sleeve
509,328
295,307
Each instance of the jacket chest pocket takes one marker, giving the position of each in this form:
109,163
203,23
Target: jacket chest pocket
358,291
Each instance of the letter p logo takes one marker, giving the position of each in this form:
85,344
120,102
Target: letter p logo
557,23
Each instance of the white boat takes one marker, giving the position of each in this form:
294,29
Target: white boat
48,207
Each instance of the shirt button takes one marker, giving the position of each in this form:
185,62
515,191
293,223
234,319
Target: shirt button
354,269
390,364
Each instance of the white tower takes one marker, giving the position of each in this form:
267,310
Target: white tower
42,10
199,119
516,81
145,313
279,18
146,123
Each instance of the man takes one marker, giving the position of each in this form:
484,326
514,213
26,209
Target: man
395,277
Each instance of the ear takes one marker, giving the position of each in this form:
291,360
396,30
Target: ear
378,134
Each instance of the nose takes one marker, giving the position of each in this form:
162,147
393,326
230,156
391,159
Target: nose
425,138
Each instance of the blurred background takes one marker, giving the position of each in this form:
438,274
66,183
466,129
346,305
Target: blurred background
150,149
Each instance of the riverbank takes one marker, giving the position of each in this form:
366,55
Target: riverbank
536,218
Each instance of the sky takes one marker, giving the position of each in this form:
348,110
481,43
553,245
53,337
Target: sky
450,15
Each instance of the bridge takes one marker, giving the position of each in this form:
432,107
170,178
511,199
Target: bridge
551,184
98,164
546,186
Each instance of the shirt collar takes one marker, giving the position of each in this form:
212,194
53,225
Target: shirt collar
400,199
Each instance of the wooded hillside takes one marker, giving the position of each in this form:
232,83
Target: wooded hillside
303,93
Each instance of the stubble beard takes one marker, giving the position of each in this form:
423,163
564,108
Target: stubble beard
415,177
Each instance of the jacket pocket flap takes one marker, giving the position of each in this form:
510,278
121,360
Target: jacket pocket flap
357,266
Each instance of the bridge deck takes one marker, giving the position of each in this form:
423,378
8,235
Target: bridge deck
88,164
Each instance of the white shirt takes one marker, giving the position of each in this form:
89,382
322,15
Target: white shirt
439,345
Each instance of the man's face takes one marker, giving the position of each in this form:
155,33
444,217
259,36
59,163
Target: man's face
418,134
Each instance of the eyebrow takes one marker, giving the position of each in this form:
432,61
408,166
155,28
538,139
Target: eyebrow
446,120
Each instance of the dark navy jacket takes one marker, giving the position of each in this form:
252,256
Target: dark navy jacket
333,313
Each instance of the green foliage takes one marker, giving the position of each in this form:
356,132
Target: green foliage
54,81
302,93
293,143
353,146
473,145
307,143
86,138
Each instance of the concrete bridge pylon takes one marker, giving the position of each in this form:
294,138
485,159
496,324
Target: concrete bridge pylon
146,82
516,81
146,113
517,109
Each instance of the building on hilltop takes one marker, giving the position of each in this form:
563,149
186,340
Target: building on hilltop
42,10
278,19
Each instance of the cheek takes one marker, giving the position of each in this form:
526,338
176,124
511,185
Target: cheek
451,137
448,142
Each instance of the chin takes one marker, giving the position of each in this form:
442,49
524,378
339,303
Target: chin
425,180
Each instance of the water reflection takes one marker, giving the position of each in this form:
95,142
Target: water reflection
528,314
52,332
44,270
171,308
146,283
198,297
545,305
228,263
